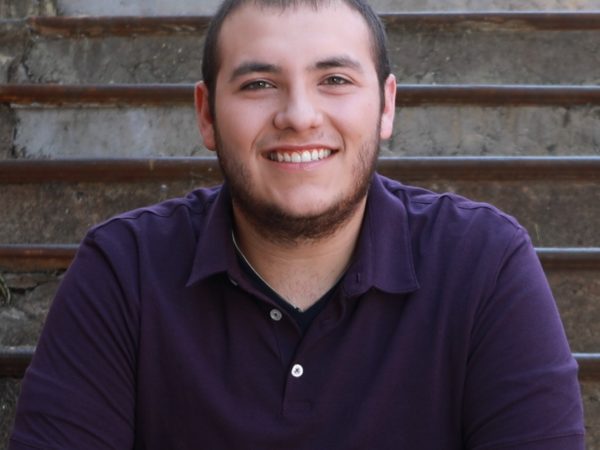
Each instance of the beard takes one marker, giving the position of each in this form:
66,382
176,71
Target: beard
273,222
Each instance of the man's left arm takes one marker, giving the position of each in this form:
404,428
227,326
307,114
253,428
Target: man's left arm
521,390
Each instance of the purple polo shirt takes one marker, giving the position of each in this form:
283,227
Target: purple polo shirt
443,334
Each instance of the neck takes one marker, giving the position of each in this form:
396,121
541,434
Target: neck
301,271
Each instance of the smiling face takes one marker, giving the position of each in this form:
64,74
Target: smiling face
297,118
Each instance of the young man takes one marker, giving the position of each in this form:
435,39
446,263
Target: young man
308,303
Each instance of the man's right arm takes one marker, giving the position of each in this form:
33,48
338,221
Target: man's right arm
79,391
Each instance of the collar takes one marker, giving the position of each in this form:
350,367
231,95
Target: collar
383,257
215,252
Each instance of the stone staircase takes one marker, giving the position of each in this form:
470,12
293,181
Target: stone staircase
498,101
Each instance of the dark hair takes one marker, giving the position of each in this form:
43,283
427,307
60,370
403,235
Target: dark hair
211,61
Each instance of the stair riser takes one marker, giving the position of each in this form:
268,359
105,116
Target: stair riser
13,38
577,295
445,130
475,56
12,9
20,8
470,53
419,131
107,132
8,125
556,213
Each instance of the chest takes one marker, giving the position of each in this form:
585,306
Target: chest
228,369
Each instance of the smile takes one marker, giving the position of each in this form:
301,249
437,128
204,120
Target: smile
300,157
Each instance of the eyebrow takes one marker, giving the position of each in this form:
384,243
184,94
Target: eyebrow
253,67
334,62
339,62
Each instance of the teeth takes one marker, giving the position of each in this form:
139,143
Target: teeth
298,157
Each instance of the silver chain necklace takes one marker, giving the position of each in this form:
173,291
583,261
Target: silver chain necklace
241,253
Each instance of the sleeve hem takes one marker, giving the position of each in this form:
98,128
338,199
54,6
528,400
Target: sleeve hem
572,441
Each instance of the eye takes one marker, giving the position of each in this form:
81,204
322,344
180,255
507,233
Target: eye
257,85
336,80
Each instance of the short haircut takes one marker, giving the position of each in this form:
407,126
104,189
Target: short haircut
211,60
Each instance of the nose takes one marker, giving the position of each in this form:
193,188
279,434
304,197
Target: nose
298,111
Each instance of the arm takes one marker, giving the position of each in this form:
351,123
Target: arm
79,390
521,390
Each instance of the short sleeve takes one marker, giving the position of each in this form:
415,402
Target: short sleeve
79,391
521,390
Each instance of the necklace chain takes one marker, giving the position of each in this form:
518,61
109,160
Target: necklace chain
241,253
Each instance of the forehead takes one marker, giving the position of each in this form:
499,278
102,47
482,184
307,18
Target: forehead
300,34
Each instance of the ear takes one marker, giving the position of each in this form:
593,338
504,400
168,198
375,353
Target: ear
204,118
389,107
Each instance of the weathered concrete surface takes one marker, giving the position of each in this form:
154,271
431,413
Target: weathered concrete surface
144,7
7,131
480,56
591,404
22,8
470,130
13,39
22,316
9,390
157,7
419,131
135,59
577,294
61,213
419,55
107,132
556,213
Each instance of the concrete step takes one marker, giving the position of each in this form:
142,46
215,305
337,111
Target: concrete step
158,120
441,48
9,391
558,200
10,9
29,276
21,8
56,201
172,131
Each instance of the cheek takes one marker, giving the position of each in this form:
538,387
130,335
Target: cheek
241,123
355,120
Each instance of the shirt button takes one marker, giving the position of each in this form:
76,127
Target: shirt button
276,315
297,370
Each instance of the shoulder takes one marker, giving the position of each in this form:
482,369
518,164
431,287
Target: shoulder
449,213
159,237
168,218
446,230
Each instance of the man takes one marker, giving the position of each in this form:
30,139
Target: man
308,303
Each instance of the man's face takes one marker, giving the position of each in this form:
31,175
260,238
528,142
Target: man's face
298,116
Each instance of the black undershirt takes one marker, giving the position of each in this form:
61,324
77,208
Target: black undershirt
302,318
